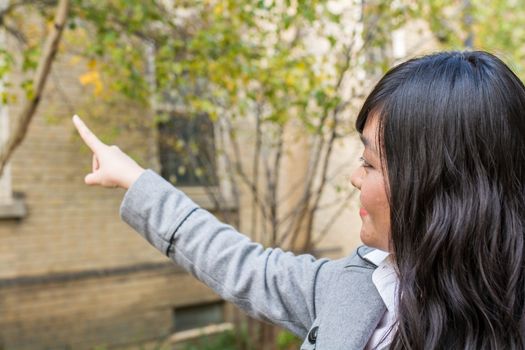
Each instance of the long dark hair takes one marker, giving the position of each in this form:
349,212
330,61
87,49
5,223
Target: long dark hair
452,134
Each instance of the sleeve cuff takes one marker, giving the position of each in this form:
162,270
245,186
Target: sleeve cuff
155,208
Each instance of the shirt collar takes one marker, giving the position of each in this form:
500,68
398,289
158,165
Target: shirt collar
384,277
376,256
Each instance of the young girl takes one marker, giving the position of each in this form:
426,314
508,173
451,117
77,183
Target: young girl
442,186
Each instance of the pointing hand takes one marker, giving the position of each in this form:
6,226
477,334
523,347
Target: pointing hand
111,166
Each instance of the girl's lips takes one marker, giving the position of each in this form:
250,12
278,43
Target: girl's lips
363,212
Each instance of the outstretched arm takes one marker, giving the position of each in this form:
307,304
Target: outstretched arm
267,283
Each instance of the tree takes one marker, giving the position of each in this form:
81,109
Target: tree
245,63
233,61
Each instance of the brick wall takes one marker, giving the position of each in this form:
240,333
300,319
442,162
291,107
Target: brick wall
83,312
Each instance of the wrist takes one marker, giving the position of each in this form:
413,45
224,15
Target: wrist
133,176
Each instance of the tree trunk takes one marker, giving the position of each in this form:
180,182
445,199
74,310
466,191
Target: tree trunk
23,120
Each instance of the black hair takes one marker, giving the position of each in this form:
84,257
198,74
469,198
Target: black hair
452,139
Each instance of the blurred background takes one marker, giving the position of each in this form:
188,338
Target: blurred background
247,106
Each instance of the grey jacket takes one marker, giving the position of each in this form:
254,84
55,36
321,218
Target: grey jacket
332,304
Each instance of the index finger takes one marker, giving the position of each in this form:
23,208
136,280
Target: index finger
89,138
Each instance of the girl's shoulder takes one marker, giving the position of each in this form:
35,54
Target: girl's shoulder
358,258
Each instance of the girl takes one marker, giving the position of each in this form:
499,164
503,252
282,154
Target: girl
442,186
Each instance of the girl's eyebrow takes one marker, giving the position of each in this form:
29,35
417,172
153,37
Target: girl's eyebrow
366,142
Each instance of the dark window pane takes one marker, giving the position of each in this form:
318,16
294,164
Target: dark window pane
197,316
187,151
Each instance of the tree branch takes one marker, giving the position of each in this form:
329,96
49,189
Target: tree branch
17,34
255,165
240,172
301,209
331,221
272,178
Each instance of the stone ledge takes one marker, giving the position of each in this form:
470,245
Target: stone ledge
15,210
75,276
201,332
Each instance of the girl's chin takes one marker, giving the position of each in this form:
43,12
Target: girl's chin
372,240
365,237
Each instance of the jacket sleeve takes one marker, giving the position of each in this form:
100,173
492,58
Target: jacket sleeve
268,284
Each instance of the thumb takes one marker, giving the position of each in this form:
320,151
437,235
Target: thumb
93,179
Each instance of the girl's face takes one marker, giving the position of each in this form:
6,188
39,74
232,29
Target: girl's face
370,179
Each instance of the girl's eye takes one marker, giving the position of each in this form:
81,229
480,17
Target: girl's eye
364,163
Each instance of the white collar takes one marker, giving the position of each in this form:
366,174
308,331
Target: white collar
386,282
384,278
376,256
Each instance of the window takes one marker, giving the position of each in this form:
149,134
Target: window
195,322
12,205
198,316
187,151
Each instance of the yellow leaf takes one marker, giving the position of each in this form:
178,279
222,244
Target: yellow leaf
89,77
92,78
98,88
92,64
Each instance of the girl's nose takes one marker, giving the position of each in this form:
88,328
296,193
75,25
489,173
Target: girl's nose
357,178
